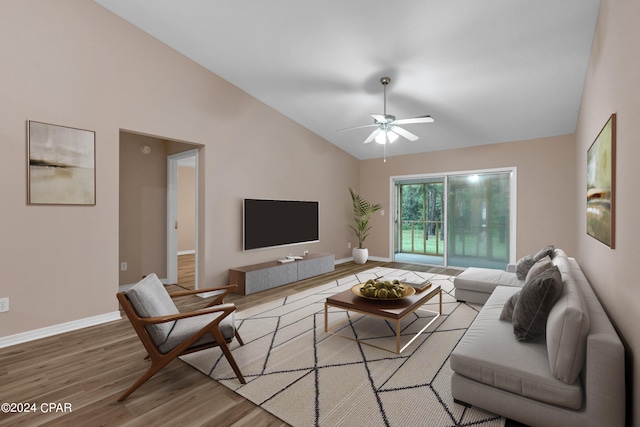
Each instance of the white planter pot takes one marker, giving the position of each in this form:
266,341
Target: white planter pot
360,255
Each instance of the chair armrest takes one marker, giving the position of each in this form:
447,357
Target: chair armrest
229,288
219,299
226,308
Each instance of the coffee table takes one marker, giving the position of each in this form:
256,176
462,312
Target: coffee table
393,310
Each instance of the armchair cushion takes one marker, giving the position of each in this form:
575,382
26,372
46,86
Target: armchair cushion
186,328
150,299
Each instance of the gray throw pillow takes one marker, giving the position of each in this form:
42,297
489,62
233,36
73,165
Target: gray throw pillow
507,309
542,265
536,300
523,266
546,251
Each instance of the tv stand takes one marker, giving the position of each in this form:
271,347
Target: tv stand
267,275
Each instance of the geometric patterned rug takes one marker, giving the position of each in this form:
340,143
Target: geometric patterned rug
307,377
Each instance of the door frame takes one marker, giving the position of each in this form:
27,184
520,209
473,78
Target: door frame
172,214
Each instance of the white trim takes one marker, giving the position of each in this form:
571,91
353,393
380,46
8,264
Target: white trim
49,331
513,215
189,252
172,213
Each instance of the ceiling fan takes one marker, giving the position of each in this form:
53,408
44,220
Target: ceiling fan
387,129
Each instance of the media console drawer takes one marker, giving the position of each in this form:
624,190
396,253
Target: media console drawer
267,275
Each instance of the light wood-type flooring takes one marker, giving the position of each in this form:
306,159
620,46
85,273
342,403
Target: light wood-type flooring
88,369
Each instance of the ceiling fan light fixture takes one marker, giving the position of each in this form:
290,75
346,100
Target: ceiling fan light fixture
386,136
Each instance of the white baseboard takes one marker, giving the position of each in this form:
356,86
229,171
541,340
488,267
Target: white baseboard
372,258
378,258
49,331
189,252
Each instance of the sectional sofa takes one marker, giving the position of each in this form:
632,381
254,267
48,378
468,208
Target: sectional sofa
572,375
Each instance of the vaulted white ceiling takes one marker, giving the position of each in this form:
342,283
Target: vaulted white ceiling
487,71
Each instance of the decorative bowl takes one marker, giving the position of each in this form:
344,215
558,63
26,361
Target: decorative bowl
407,292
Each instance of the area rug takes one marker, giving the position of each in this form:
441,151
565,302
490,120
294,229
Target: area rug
307,377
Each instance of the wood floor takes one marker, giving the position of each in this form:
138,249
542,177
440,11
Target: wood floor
187,271
90,368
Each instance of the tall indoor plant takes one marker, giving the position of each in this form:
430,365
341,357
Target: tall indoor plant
362,210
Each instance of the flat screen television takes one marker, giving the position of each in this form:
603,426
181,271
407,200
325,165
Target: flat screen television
269,223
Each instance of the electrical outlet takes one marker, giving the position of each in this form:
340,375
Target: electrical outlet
349,245
123,266
4,305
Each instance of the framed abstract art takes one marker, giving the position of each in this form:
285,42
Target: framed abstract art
61,165
601,180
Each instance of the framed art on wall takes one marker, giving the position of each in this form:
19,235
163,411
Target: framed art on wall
601,177
61,165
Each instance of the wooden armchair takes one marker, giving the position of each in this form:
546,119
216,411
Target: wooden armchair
166,333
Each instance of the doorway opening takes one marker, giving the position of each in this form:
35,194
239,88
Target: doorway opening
182,219
146,186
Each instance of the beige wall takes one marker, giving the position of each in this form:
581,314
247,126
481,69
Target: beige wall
612,86
545,175
73,63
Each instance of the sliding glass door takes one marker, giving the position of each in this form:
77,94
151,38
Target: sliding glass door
460,220
478,220
420,220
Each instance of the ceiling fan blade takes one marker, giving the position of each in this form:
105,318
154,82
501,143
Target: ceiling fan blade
421,119
357,127
383,118
373,135
403,133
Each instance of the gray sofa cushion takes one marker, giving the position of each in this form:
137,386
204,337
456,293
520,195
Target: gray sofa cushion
150,299
485,279
523,266
537,297
567,328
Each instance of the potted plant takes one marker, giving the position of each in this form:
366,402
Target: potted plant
362,210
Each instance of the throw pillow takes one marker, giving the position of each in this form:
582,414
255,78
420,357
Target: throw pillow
542,265
536,300
523,266
507,309
546,251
